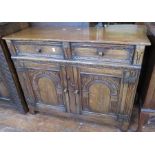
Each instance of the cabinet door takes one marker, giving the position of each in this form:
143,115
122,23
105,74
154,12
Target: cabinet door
105,90
44,85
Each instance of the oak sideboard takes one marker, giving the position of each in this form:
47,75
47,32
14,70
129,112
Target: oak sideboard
87,73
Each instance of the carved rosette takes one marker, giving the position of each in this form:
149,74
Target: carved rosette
130,76
138,57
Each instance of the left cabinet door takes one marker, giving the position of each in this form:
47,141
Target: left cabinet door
44,86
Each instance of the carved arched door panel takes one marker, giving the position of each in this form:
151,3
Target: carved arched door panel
47,91
47,87
99,90
99,93
43,86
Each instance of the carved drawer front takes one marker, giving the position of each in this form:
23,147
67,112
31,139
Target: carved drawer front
39,49
102,52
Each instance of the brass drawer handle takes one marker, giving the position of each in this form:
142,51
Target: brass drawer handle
76,92
100,53
65,90
39,50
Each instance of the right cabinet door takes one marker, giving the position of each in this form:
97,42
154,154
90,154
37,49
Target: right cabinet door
105,90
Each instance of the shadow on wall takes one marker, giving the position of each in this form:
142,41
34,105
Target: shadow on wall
76,24
61,24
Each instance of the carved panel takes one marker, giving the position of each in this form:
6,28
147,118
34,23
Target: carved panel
38,49
97,102
67,51
47,87
102,52
130,81
138,57
25,82
100,93
130,76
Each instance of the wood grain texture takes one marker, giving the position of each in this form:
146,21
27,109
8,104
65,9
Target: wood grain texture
113,34
99,94
47,91
8,28
102,52
44,85
46,49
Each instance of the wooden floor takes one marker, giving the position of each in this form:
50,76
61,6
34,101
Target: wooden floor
12,121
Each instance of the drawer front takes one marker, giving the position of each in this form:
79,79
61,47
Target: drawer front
102,52
39,49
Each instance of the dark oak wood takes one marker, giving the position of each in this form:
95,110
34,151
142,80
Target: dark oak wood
147,84
10,90
86,73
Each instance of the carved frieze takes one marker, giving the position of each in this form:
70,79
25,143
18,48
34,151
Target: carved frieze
130,76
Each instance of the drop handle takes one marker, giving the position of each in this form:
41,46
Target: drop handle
65,90
76,92
100,53
39,50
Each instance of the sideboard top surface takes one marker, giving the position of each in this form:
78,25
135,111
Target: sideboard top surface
116,34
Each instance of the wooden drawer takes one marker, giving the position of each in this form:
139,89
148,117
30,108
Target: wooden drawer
39,49
102,52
